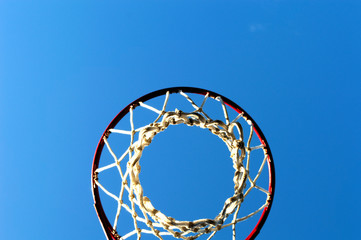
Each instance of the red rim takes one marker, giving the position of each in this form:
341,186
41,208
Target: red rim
107,227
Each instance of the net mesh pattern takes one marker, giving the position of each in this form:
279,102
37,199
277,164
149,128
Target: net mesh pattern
140,207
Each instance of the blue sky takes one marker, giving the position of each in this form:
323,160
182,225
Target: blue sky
68,67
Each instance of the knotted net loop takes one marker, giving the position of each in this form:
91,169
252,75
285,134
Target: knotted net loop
216,127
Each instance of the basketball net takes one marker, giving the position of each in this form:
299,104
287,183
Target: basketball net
140,207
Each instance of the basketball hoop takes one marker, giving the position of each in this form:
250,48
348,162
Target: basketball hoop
236,130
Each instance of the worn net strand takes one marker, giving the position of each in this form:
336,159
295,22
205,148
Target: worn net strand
159,224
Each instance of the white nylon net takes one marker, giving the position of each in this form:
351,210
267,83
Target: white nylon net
147,219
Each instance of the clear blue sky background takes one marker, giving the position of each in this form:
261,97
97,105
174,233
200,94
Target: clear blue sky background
68,67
